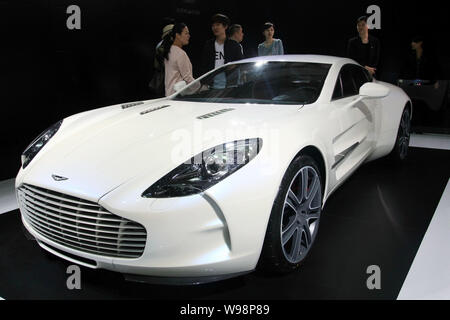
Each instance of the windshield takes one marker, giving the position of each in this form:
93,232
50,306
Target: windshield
260,82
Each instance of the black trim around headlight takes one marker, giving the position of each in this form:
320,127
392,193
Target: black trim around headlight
205,169
32,150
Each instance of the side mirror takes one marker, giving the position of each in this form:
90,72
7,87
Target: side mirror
373,90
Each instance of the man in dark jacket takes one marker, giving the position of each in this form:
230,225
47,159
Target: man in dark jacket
364,48
220,50
235,33
420,64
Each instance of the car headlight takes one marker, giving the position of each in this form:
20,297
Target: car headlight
205,169
32,150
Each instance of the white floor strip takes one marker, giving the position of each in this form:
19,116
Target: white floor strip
430,141
429,276
7,196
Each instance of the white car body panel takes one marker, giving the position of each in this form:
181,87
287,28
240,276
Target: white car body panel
111,155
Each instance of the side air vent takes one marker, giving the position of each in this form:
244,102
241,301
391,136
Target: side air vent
215,113
132,104
154,109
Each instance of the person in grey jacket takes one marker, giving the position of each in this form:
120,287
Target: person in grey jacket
271,46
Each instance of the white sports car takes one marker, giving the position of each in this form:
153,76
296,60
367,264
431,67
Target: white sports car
229,173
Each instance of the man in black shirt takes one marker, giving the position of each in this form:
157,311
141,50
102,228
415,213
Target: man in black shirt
420,64
236,34
364,48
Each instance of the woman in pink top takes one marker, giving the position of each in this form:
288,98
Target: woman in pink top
177,65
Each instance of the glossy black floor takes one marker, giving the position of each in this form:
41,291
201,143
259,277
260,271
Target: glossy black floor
378,217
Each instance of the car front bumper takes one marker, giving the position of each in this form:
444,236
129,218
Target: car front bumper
219,232
188,242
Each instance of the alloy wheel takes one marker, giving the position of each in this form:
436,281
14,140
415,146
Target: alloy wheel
301,214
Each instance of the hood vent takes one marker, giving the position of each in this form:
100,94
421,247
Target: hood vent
131,104
213,114
154,109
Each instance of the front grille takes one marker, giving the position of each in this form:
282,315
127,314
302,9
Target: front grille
80,224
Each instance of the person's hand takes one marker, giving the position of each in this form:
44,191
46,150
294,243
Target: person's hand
371,70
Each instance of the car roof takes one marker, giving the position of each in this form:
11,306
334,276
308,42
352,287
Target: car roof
300,58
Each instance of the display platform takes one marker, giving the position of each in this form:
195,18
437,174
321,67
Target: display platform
378,217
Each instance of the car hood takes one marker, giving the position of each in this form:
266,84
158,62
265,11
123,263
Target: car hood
101,150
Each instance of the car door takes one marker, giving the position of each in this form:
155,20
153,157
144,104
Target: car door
356,121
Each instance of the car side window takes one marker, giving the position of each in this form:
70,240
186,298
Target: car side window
360,76
337,93
348,85
350,79
368,75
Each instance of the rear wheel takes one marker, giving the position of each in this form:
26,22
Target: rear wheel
295,217
400,151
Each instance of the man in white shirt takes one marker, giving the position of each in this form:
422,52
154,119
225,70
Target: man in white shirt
220,80
220,50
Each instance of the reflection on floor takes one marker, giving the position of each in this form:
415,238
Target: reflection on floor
430,141
429,276
7,196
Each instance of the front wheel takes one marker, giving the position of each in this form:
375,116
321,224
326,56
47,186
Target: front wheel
295,217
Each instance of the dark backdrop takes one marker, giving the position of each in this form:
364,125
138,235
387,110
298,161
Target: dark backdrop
49,72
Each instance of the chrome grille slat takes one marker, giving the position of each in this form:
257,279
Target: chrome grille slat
46,229
94,212
88,235
40,209
80,224
54,236
37,215
40,202
53,195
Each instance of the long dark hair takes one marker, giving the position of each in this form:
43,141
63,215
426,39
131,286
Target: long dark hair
169,39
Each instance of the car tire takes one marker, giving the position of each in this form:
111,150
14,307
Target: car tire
400,151
297,228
